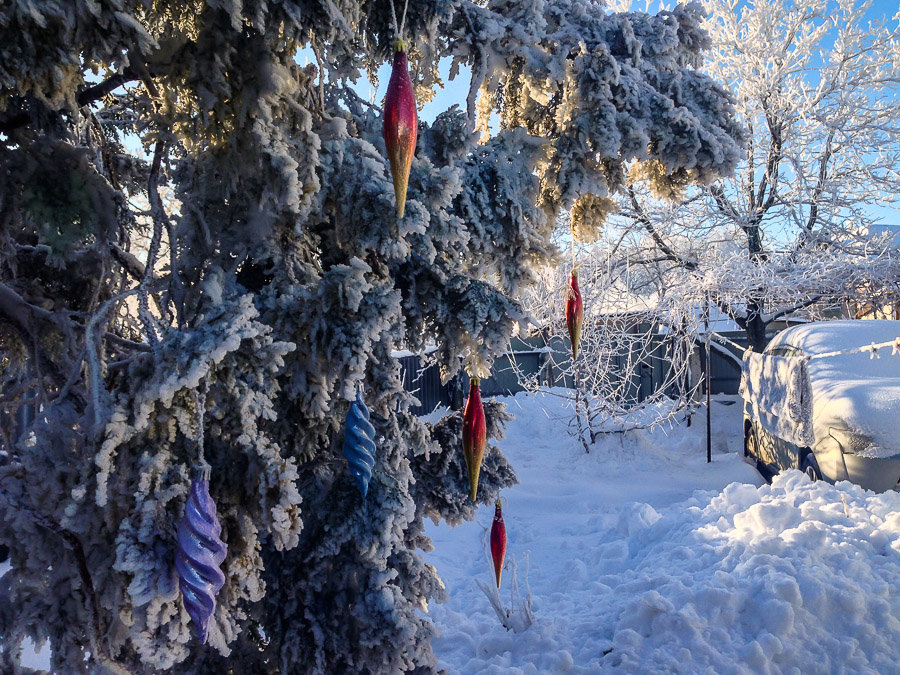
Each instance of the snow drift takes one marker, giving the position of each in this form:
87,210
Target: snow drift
793,575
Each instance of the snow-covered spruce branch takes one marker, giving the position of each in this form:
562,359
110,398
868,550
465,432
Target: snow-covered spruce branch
73,543
85,97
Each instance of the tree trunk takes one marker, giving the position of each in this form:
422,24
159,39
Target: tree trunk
756,327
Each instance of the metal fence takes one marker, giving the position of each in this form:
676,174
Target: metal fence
533,357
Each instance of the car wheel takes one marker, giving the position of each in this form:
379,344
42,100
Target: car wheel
811,467
751,448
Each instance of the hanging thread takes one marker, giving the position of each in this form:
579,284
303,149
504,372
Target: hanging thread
200,402
394,20
572,246
403,20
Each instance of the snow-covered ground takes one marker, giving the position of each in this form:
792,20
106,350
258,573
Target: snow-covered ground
644,558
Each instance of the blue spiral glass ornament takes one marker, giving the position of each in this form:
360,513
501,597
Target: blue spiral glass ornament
359,444
199,554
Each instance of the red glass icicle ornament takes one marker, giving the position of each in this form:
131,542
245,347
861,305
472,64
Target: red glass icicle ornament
498,541
401,124
574,313
474,434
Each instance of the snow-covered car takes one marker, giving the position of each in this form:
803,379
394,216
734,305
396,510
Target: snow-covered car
835,417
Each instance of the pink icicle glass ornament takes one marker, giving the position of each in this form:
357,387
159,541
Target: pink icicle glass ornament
498,541
474,434
401,124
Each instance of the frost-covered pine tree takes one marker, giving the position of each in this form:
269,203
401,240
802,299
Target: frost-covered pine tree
230,289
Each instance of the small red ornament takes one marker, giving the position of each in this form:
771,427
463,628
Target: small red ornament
574,313
498,541
401,124
474,434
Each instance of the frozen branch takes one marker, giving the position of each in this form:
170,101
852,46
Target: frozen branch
648,225
73,543
790,310
85,97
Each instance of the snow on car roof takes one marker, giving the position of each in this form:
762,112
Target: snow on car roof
820,337
854,390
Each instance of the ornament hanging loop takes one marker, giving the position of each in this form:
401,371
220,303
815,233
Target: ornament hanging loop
203,472
398,29
200,393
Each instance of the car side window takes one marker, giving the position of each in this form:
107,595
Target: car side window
785,350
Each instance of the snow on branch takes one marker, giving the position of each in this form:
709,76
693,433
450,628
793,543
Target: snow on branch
871,350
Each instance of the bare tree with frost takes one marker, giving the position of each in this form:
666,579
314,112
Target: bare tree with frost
269,286
633,336
817,87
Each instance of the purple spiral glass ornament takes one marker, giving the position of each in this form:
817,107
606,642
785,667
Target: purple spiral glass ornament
199,554
359,444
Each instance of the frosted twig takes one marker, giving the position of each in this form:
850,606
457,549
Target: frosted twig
161,220
95,356
143,295
477,79
623,349
519,616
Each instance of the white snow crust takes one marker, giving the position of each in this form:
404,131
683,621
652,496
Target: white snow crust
644,558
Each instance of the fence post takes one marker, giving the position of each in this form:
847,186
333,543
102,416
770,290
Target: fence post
708,390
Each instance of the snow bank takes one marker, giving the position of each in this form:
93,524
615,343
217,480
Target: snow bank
793,575
632,570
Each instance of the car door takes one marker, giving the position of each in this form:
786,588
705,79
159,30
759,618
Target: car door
786,455
766,442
